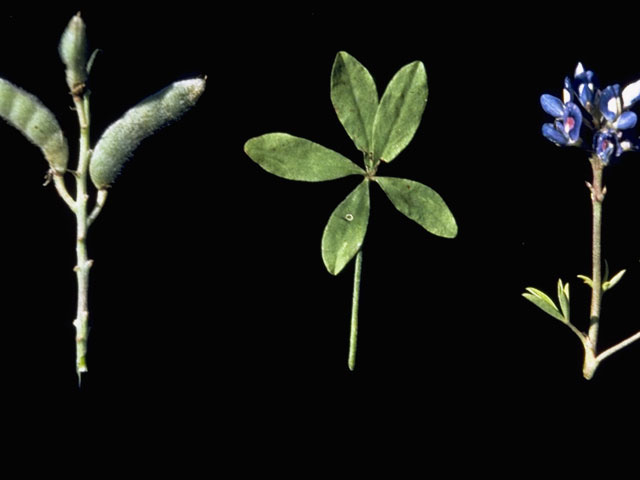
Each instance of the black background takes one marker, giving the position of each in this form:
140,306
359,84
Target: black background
210,305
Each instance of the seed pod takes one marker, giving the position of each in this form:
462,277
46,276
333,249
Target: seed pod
36,122
123,136
73,52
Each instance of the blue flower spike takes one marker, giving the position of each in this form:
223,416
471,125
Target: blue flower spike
605,115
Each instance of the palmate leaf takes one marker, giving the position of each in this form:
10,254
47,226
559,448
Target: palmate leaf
355,99
346,228
297,158
421,204
400,111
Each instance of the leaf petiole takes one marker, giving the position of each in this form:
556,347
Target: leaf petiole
353,337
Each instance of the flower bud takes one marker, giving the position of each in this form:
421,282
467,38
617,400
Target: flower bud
122,137
73,52
36,122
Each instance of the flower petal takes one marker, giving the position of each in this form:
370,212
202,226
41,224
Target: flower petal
567,91
572,121
610,102
626,120
552,105
631,94
585,86
606,143
551,133
629,141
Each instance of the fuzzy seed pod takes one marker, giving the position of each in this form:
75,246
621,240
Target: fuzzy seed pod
121,138
74,53
36,122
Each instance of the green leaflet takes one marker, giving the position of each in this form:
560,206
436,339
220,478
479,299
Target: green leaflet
614,280
563,299
355,99
297,158
36,122
421,204
606,283
544,303
400,111
346,228
122,137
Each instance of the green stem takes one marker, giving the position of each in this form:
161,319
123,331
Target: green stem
619,346
353,339
597,197
100,201
83,264
58,180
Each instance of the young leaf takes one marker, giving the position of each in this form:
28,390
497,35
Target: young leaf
297,158
400,111
563,299
421,204
355,99
586,280
544,303
123,136
36,122
614,280
346,228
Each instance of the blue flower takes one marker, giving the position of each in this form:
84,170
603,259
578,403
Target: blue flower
613,109
566,129
605,142
584,85
605,114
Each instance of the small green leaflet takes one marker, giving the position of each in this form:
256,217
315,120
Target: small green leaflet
297,158
421,204
400,111
346,228
544,303
355,99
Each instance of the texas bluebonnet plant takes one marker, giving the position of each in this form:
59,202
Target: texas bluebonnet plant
602,123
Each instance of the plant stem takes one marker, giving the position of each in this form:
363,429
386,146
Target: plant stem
58,180
353,339
83,264
619,346
100,201
590,342
597,197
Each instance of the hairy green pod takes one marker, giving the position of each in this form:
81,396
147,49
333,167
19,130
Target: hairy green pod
122,137
73,51
36,122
